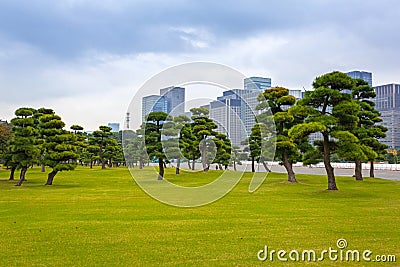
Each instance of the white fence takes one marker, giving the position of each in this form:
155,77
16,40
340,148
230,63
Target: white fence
365,166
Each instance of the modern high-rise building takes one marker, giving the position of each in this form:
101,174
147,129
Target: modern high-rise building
226,114
153,103
175,97
366,76
257,83
171,100
387,102
114,127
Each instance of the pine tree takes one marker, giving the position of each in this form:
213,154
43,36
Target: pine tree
59,146
24,148
153,132
333,113
102,143
203,129
276,101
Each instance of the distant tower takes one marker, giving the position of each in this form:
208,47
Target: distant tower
127,120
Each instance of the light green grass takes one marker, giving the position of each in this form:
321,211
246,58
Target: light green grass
101,218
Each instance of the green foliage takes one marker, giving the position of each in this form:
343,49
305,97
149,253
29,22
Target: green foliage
59,145
331,111
5,136
103,143
153,131
368,131
203,128
305,129
24,146
199,112
188,142
223,149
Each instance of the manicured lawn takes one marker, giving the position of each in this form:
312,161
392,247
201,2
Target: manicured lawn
93,217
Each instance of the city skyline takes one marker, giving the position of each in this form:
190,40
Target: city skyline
62,55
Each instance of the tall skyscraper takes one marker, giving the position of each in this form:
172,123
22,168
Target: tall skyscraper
226,114
366,76
387,102
153,103
175,97
257,83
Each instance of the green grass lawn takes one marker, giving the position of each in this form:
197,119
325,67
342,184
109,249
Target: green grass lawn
94,217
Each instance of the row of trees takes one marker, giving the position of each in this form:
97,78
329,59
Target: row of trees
339,109
38,137
163,138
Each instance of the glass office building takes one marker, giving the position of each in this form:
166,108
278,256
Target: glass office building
387,102
153,103
366,76
257,83
175,97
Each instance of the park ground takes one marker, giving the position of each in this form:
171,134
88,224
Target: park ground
94,217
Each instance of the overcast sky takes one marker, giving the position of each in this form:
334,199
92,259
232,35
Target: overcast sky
86,59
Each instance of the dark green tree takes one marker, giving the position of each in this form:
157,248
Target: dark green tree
6,138
5,135
189,144
130,151
40,112
102,142
152,137
333,113
180,121
203,128
277,101
255,145
81,142
367,131
59,145
24,148
223,153
139,147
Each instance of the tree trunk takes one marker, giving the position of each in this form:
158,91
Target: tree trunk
288,164
188,162
266,166
91,164
204,156
253,169
12,172
193,163
103,164
50,177
141,164
178,165
358,170
220,166
371,170
234,164
327,163
43,168
22,176
161,169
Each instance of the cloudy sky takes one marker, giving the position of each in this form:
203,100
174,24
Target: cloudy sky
86,58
